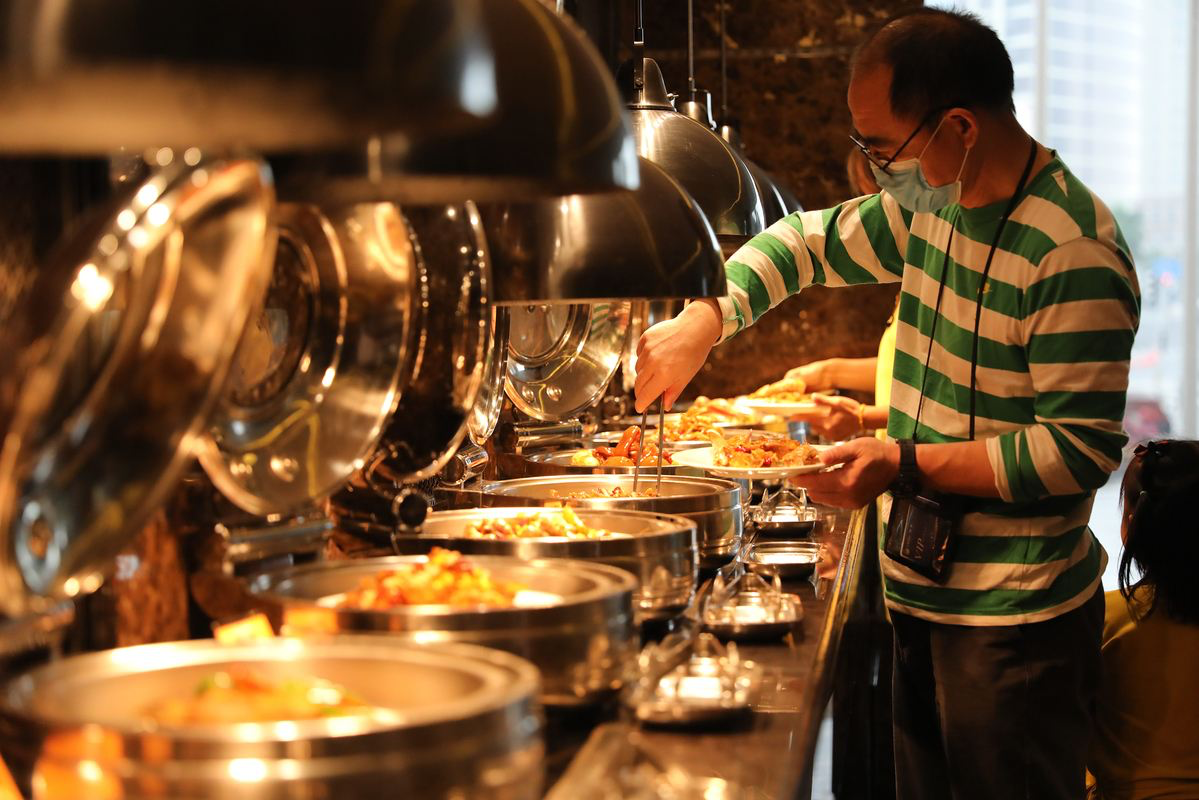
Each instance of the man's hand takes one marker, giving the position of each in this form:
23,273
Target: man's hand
869,467
842,420
671,352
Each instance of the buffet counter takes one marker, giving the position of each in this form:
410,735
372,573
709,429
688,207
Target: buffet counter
770,753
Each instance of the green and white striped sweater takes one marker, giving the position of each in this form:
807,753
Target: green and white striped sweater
1059,315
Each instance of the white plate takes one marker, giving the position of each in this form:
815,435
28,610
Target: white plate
785,409
702,457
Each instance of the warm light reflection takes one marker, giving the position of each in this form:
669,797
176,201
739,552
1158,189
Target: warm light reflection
91,288
126,219
247,770
158,214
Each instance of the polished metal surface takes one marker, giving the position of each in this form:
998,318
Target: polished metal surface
468,462
578,630
88,77
118,357
659,550
317,375
789,559
490,400
444,366
713,505
561,357
776,201
702,162
448,721
653,242
559,128
517,437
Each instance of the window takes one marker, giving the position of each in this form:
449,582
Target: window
1119,108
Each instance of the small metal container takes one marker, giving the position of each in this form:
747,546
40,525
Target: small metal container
713,505
791,560
786,521
446,721
658,549
573,621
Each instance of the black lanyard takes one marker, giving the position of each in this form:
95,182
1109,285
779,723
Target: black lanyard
982,285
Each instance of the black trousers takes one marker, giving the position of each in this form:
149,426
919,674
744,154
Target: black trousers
995,712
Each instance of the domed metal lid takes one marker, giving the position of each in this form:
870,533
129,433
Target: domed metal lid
562,357
490,400
90,77
559,129
119,355
702,162
654,242
777,200
317,372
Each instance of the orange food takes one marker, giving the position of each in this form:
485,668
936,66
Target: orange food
752,451
623,454
239,695
445,578
613,492
705,413
564,523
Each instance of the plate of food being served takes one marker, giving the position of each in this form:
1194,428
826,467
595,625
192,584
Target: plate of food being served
786,398
754,456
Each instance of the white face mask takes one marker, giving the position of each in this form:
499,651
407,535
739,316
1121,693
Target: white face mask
911,189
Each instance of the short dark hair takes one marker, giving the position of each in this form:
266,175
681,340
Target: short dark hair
1162,536
940,59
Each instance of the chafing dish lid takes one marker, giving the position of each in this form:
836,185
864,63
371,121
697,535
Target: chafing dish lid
562,357
119,354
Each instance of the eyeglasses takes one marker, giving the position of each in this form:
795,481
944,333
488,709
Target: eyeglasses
884,166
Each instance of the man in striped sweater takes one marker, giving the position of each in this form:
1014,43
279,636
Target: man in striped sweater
997,659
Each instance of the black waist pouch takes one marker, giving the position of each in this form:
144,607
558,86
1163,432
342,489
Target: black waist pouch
921,530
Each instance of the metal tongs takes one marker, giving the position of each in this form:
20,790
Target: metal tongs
641,445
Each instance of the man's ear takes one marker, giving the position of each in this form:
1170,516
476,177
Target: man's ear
966,124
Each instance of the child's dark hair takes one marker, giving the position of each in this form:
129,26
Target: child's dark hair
1160,490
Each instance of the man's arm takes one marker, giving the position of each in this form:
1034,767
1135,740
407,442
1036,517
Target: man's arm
859,241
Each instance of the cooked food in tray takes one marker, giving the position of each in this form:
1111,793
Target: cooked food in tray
625,453
563,524
704,414
239,695
606,492
788,390
752,451
445,578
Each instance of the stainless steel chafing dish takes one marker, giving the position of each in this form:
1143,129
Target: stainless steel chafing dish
574,620
713,505
659,550
449,721
557,462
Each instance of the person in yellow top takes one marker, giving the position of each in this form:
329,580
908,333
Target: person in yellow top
847,416
1146,737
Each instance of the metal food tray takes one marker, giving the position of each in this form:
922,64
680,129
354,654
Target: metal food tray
714,505
658,549
577,628
83,722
